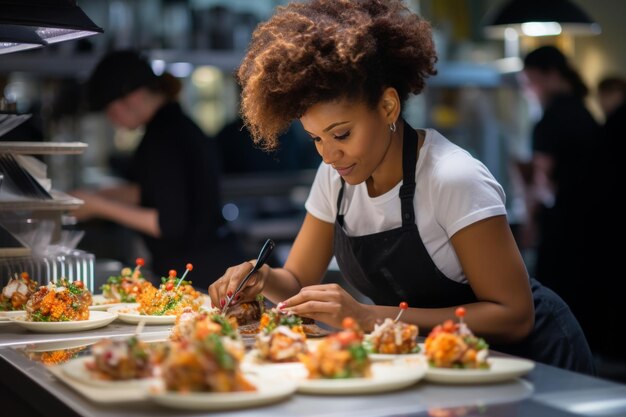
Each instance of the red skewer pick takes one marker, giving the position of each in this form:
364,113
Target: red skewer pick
403,306
188,268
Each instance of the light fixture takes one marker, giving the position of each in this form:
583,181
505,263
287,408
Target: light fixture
539,18
50,20
18,38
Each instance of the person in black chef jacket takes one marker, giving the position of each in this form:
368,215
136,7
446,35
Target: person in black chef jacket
409,216
173,198
565,148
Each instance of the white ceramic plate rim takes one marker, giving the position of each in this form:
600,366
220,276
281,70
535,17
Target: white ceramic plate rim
270,389
502,369
385,377
96,319
6,315
134,317
75,369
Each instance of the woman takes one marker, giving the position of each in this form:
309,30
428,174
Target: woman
173,195
408,215
563,200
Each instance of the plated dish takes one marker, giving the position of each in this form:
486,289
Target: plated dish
59,302
78,369
96,320
17,292
453,345
127,286
393,337
383,377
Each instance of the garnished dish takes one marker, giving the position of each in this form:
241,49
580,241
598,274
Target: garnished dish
202,369
340,355
281,337
453,345
125,287
172,297
248,314
192,325
340,365
456,356
393,337
205,357
63,301
120,360
17,292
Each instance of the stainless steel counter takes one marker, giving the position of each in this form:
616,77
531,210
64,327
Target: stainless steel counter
11,334
547,391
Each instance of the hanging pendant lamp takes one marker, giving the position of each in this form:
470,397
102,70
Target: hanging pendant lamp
50,20
539,18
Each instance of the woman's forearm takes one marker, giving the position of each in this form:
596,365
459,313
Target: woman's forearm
495,322
144,220
280,284
125,193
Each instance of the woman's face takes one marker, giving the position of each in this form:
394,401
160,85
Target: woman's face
350,136
543,83
124,112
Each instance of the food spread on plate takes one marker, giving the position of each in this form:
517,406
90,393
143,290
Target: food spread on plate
340,355
61,301
55,357
121,360
16,293
125,287
248,313
453,345
393,336
171,298
281,337
205,356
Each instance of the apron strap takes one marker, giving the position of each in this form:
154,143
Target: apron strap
407,190
339,199
409,161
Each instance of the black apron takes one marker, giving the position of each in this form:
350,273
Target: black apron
394,266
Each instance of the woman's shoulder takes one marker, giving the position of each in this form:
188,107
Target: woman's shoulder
449,164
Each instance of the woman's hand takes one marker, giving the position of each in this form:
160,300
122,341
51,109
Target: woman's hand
328,303
228,283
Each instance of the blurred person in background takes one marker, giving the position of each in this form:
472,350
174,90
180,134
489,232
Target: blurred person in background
611,95
564,142
172,198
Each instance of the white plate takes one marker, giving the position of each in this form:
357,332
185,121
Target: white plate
96,320
100,303
502,369
76,369
269,390
385,377
376,357
59,345
128,313
6,315
97,394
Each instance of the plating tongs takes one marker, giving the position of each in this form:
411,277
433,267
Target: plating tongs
266,250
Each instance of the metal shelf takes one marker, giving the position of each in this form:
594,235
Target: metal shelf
43,148
60,201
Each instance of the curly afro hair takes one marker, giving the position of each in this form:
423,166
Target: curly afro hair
323,50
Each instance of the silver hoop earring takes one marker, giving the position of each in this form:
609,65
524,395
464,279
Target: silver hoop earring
392,127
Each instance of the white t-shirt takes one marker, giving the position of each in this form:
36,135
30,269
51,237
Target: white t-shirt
453,190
